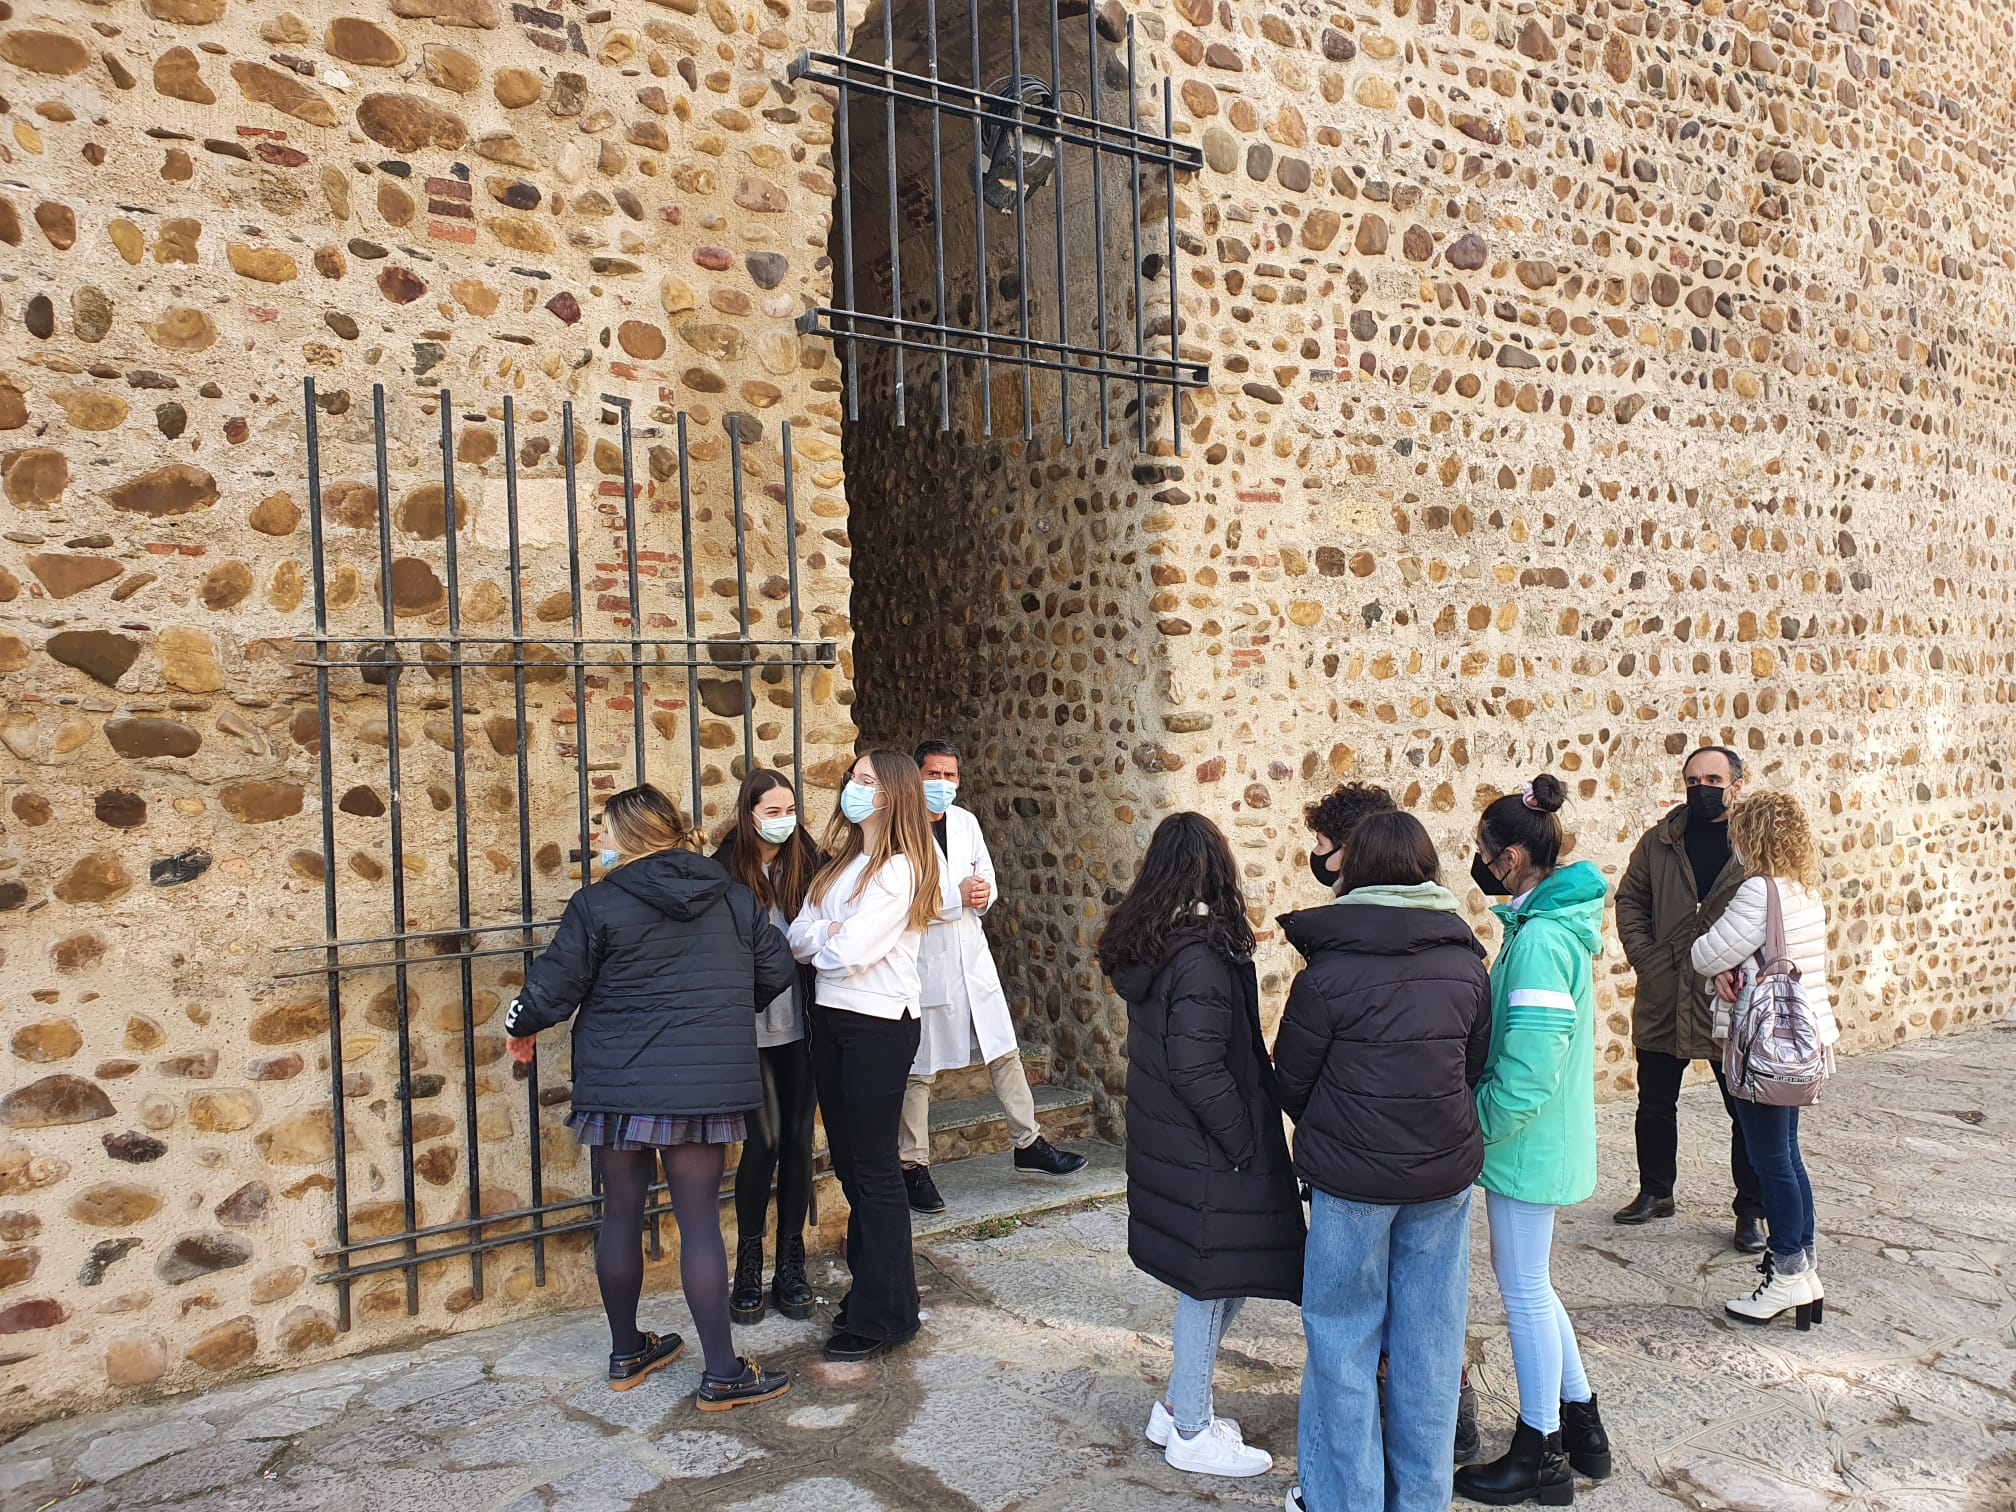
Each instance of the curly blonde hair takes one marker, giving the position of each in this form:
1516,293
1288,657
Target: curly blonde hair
1771,833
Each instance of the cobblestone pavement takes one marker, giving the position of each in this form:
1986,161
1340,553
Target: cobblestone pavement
1044,1347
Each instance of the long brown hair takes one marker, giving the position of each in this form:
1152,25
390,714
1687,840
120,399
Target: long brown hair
1188,863
905,831
783,885
644,822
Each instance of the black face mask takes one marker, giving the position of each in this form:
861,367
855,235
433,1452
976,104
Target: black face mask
1707,803
1486,879
1319,868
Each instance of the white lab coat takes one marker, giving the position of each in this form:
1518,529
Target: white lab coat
961,990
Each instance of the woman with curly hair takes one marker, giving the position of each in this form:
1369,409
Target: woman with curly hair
1773,844
1212,1205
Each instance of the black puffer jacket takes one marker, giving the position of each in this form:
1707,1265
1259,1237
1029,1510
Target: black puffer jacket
1212,1205
668,960
1385,1032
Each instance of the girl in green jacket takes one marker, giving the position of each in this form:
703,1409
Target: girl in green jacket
1537,1107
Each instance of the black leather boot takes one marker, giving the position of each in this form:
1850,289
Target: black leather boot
1533,1470
788,1288
745,1302
1583,1439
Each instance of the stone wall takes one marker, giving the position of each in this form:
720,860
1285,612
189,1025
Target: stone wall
1586,383
204,202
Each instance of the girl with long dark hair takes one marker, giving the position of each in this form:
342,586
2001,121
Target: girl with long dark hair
662,965
769,853
1212,1205
862,923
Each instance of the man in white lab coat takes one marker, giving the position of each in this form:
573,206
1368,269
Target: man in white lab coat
962,996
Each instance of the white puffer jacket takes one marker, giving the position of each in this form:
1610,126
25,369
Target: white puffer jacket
1739,934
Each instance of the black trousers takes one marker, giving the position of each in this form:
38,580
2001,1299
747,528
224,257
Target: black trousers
862,1065
1658,1130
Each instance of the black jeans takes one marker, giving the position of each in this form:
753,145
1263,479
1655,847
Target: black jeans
779,1144
1658,1130
862,1065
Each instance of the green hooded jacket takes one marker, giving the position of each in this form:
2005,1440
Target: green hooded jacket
1537,1101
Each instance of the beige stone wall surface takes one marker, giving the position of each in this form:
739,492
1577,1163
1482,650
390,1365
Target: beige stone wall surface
1587,382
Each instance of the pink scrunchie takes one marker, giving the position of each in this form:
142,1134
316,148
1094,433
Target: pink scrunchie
1526,796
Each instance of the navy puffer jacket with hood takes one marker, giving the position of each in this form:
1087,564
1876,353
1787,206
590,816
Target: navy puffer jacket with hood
667,960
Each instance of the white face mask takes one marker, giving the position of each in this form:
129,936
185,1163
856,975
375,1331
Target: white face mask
608,859
778,829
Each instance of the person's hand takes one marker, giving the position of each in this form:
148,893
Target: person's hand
520,1047
1726,986
973,892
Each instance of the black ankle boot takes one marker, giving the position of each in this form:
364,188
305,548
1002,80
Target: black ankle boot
1533,1470
1583,1439
788,1288
745,1303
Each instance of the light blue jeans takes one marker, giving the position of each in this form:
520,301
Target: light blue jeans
1370,1268
1545,1357
1200,1329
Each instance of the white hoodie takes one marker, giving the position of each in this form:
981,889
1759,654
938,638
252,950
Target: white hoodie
863,949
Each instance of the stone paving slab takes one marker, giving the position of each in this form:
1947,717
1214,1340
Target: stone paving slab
1043,1349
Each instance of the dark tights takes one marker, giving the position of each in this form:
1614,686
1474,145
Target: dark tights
693,1175
780,1143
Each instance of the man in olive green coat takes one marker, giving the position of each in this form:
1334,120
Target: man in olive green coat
1681,877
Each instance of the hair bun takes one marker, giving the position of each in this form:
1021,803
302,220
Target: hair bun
1548,793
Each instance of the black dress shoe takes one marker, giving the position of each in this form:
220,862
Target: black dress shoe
1643,1209
1584,1440
1750,1236
856,1349
1046,1159
924,1196
1534,1469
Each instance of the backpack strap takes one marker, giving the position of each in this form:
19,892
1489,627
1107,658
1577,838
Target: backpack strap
1772,958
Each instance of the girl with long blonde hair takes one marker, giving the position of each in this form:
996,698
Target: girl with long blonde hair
860,929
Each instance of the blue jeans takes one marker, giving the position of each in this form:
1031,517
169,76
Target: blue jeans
1200,1329
1772,1135
1368,1268
1545,1358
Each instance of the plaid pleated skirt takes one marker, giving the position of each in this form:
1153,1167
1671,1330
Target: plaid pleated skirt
650,1131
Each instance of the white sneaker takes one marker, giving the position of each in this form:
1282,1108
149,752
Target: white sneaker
1295,1502
1218,1450
1162,1427
1774,1295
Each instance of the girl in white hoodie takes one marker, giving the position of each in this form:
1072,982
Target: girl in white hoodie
1771,841
863,921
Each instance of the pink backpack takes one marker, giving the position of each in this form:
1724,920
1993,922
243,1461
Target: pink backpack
1774,1054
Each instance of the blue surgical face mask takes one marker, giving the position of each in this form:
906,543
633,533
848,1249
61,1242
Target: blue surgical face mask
778,830
608,859
939,793
857,802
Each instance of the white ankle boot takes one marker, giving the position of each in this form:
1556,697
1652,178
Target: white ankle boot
1218,1450
1777,1294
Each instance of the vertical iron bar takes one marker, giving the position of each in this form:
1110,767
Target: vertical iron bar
393,670
845,156
895,205
580,656
1175,354
745,652
692,631
538,1185
636,604
797,670
1057,179
470,1151
937,219
797,665
1021,216
1134,229
1098,213
319,572
982,322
